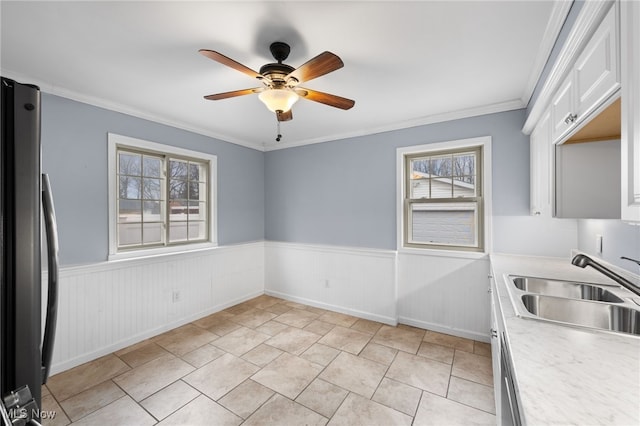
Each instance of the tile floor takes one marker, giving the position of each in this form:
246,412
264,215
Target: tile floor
269,361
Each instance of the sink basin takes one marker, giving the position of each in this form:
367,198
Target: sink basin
568,289
584,313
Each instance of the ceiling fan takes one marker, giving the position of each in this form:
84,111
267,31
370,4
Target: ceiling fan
280,82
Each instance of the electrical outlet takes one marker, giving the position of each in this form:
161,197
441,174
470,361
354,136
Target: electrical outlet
598,243
176,296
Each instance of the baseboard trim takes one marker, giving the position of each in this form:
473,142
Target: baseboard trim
446,330
334,308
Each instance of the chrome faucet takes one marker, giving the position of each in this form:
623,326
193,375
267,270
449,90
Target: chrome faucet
583,261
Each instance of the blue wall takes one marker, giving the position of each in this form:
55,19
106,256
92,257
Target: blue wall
344,192
74,153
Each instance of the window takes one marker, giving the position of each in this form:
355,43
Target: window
443,197
161,196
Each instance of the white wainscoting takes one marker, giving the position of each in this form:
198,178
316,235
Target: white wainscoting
354,281
444,293
108,306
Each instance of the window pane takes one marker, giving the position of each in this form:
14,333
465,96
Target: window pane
179,210
177,190
198,171
197,211
129,164
441,165
464,164
129,187
178,169
151,166
152,211
129,234
151,189
129,211
152,233
177,231
197,231
464,186
441,187
446,224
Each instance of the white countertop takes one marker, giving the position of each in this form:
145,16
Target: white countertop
567,375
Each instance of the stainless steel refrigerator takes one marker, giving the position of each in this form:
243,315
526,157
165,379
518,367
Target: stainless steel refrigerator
25,204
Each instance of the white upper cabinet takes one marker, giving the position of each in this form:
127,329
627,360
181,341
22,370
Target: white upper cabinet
541,161
630,143
594,77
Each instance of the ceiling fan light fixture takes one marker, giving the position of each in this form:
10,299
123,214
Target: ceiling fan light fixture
278,99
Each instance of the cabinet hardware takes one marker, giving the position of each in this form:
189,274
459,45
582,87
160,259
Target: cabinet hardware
570,118
494,333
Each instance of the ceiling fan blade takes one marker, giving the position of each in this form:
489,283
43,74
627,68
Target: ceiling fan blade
322,64
233,94
325,98
219,57
284,116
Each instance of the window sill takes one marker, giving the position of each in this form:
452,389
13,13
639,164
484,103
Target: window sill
443,253
160,251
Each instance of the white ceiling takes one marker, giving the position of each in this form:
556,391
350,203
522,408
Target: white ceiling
406,63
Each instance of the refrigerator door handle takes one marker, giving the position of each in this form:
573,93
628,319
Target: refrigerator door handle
52,273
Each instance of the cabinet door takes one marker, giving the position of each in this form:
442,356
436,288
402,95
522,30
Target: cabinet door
563,109
540,172
630,143
495,349
596,71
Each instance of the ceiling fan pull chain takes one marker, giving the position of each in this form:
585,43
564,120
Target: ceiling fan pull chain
279,136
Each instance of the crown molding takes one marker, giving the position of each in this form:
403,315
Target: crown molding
556,20
587,22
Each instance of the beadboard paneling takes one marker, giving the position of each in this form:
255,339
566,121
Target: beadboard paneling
445,293
107,306
359,282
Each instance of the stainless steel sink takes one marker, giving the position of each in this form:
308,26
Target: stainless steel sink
568,289
584,313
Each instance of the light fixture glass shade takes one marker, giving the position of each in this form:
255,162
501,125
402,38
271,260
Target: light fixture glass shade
278,99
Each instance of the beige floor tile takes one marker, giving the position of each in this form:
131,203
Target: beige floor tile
353,373
287,375
296,318
282,411
356,410
91,400
295,305
220,375
213,319
315,310
253,318
476,368
322,397
223,327
203,355
44,390
85,376
122,412
133,347
379,353
436,411
338,319
472,394
246,398
293,340
398,338
240,341
143,354
239,309
481,348
320,354
264,301
451,341
149,378
346,339
55,416
366,326
423,373
319,327
272,328
408,327
166,401
202,412
396,395
185,339
278,308
262,355
436,352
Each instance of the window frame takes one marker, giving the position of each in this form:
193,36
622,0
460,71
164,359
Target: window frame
483,176
117,142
